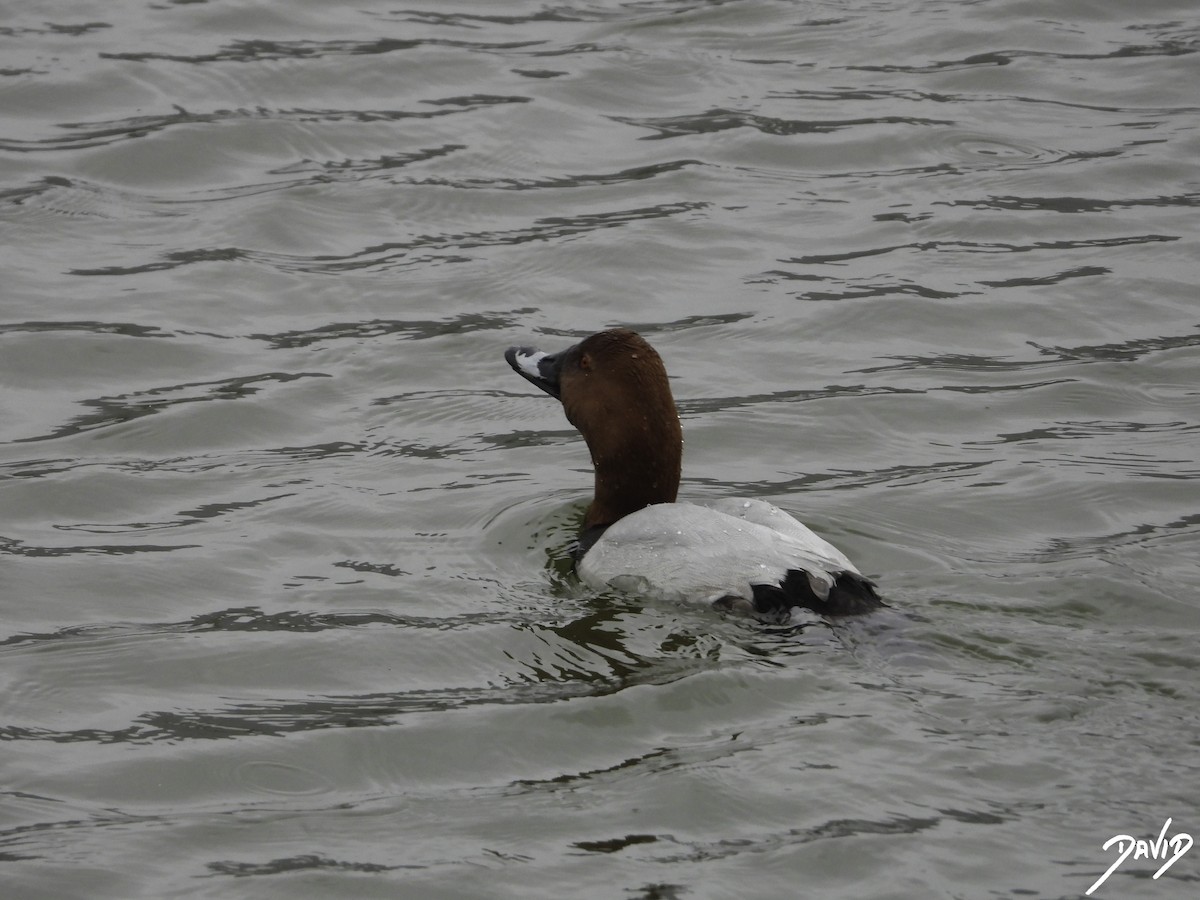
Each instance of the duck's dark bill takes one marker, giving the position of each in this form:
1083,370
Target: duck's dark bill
537,367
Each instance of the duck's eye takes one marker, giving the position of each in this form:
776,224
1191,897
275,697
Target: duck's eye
585,361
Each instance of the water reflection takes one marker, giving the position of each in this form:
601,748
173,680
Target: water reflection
600,652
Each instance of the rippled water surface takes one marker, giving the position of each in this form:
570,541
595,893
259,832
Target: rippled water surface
287,610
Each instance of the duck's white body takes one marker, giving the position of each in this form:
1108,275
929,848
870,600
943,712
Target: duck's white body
686,552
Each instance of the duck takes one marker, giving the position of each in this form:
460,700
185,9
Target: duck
742,556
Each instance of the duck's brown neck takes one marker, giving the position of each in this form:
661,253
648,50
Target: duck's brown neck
640,468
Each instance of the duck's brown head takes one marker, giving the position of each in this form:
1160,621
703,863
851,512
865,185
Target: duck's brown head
614,389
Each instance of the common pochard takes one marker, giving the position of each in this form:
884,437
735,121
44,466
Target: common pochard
740,555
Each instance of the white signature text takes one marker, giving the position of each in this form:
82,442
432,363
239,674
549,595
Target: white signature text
1177,845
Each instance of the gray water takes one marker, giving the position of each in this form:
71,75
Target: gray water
286,603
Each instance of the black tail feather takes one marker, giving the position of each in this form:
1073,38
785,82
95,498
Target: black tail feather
851,595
